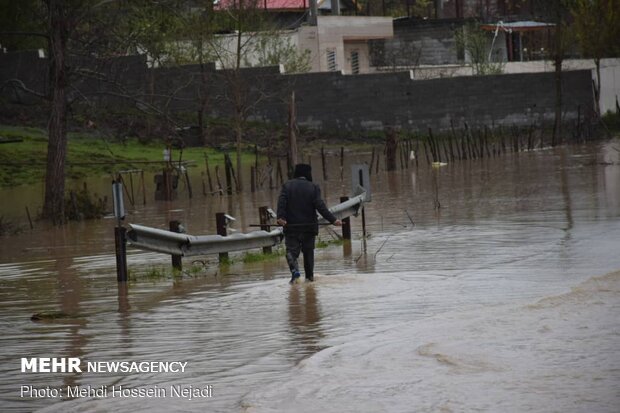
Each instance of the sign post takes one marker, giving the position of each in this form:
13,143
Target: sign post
360,178
120,238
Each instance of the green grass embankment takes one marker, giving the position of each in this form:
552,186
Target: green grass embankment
88,155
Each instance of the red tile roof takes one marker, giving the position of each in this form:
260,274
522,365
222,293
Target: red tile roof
268,4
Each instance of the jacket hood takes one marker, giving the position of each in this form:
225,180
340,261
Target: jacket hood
303,170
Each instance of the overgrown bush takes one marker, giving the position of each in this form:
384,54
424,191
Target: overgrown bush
81,205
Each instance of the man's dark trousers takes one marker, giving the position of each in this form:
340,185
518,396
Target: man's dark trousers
295,243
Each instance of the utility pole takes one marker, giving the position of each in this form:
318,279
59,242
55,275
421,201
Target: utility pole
314,10
292,136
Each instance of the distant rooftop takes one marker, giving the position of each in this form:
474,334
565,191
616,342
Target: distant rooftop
281,5
274,5
521,26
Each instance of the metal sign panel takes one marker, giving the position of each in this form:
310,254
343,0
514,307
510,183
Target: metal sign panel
117,195
360,177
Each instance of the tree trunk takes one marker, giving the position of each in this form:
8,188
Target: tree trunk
597,87
53,207
239,106
556,138
204,105
558,58
239,133
391,146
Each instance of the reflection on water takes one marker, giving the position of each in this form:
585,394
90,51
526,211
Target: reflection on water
304,317
464,237
70,297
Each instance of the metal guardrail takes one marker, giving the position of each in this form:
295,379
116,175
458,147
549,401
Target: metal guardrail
168,242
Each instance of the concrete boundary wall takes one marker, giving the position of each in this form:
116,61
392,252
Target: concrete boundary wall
373,101
328,101
610,88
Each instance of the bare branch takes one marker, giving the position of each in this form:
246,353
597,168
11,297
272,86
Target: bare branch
16,83
141,105
30,34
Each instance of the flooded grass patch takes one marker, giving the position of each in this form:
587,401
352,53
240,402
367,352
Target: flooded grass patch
332,242
201,268
252,257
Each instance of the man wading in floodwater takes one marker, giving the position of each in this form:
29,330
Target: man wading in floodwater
299,201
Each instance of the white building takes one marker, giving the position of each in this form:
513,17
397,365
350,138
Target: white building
341,42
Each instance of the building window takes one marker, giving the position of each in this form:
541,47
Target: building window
331,60
355,62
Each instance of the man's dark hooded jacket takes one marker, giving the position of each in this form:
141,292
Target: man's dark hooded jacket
299,200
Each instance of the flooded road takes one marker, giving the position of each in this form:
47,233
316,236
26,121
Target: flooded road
505,298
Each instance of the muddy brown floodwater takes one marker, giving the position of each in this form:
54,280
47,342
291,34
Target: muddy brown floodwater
503,299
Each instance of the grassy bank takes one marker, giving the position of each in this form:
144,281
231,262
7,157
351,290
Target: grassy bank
88,155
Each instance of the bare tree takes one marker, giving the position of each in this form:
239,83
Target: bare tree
78,34
396,56
597,28
274,48
560,40
50,20
246,18
475,43
61,23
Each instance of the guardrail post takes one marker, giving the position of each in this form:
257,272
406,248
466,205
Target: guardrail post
346,222
177,263
120,241
263,215
363,223
220,224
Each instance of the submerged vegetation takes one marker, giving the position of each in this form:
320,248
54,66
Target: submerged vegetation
161,273
199,268
324,244
82,204
250,256
8,227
